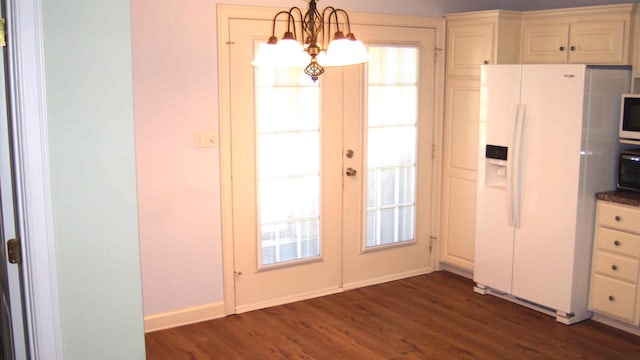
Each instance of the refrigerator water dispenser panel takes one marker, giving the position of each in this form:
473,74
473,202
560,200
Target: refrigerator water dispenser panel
496,166
496,152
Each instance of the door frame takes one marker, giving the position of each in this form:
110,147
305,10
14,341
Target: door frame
26,86
227,12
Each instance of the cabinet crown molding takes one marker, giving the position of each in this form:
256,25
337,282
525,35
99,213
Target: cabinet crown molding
483,15
599,10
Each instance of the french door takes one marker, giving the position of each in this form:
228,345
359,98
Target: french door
331,180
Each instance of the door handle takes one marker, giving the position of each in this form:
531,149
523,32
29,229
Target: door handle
351,172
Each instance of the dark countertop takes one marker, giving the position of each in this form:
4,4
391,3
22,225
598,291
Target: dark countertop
625,197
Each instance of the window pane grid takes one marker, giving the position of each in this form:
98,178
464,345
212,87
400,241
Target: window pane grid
391,144
288,165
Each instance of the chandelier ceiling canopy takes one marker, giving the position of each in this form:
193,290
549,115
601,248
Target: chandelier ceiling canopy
306,41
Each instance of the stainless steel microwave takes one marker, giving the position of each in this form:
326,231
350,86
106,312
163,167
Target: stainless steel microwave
629,170
630,117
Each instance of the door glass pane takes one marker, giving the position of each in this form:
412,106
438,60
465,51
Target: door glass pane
288,165
391,144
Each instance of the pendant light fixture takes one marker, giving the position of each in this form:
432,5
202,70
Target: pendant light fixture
305,41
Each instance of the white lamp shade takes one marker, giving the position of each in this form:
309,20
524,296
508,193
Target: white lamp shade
342,52
285,53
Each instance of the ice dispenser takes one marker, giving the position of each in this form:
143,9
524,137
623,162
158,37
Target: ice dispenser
496,166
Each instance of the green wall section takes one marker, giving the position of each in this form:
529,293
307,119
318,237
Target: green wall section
92,156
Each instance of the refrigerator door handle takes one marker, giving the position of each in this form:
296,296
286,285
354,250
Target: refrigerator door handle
510,164
516,181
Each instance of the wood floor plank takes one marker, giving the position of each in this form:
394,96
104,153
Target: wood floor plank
434,316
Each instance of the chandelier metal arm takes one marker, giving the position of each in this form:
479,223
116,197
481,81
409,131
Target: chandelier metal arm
292,19
274,39
326,21
314,39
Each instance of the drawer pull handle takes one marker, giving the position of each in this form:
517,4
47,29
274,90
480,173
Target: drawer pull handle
611,298
614,267
616,243
618,218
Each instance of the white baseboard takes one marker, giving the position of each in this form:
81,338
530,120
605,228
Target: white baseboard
456,270
183,317
384,279
635,330
286,300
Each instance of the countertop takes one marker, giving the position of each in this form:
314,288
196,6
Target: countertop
624,197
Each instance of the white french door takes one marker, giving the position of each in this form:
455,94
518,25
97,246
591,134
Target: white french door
331,181
286,179
387,210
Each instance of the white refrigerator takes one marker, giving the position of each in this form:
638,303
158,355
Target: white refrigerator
547,143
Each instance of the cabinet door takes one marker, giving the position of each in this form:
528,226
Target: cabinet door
544,43
598,42
462,106
468,47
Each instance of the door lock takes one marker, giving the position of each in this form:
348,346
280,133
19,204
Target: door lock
349,153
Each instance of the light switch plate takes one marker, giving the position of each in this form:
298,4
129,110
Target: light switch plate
206,138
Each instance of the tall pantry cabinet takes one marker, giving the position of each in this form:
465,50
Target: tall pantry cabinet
473,39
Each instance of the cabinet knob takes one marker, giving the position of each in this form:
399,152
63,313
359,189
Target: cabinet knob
614,267
618,218
561,48
573,48
612,298
616,243
486,62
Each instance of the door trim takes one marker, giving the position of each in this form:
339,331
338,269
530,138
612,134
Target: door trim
28,115
227,12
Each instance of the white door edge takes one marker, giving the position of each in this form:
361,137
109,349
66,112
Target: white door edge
28,112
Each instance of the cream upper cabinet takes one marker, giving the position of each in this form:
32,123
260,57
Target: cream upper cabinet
544,43
591,35
485,37
469,46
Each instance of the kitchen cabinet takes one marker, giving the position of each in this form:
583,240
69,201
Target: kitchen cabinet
614,290
587,35
473,39
484,37
462,108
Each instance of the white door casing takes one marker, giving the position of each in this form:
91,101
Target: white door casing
433,107
34,212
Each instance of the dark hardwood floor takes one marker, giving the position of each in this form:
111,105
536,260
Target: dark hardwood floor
435,316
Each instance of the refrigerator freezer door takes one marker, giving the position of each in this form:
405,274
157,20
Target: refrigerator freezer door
543,265
499,99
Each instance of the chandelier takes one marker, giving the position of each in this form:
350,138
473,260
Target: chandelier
305,41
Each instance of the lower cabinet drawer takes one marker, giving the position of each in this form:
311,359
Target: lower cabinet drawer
616,266
621,217
612,297
619,242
